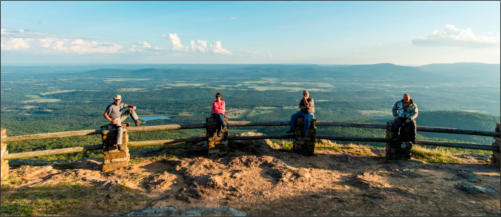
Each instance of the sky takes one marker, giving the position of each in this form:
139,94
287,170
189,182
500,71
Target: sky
403,33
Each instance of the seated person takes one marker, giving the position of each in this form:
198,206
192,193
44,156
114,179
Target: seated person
117,112
218,111
405,112
306,110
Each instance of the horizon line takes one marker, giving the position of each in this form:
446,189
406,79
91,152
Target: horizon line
319,64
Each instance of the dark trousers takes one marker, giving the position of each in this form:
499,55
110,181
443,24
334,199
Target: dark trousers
307,120
220,124
400,122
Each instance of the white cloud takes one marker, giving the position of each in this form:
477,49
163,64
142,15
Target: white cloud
218,49
24,40
199,45
79,46
176,42
142,47
15,44
146,44
453,36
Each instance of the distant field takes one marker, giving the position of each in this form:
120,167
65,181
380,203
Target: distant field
125,79
41,100
56,92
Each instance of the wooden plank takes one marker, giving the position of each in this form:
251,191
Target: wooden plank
456,131
164,142
248,123
350,124
365,125
419,142
419,128
51,135
459,145
358,139
243,124
260,137
165,127
93,132
52,152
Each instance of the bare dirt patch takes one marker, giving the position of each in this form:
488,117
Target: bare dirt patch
256,178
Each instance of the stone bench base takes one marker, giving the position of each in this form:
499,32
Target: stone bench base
113,158
216,145
304,144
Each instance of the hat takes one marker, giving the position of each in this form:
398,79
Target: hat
117,97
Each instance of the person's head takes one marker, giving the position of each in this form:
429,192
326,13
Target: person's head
117,99
306,94
218,96
406,97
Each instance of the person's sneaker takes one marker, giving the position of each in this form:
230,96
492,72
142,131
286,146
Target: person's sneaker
139,123
219,133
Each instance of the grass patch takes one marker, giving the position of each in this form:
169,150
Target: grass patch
436,155
358,150
155,158
284,144
69,199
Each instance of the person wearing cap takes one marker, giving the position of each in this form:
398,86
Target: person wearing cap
306,110
218,111
405,112
117,112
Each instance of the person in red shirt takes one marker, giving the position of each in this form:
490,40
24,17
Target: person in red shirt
218,111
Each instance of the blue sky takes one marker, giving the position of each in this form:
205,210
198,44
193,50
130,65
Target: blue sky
405,33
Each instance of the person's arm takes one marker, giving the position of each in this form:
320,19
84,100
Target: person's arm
105,114
414,112
133,107
224,107
394,110
213,107
302,106
308,104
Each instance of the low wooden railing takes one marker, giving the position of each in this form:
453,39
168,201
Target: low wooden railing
8,156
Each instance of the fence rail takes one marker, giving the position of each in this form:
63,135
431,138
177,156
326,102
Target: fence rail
242,124
239,124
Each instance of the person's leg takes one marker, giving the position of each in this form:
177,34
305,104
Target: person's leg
221,119
125,114
394,128
132,113
307,122
216,117
412,125
119,137
293,120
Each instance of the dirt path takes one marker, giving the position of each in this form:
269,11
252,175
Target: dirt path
259,180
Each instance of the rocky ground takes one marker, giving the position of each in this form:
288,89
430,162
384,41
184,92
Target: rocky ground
258,178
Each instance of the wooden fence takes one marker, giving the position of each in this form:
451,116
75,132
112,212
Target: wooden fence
168,127
5,156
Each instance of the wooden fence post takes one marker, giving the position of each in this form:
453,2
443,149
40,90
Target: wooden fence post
216,144
113,158
305,144
4,163
495,153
